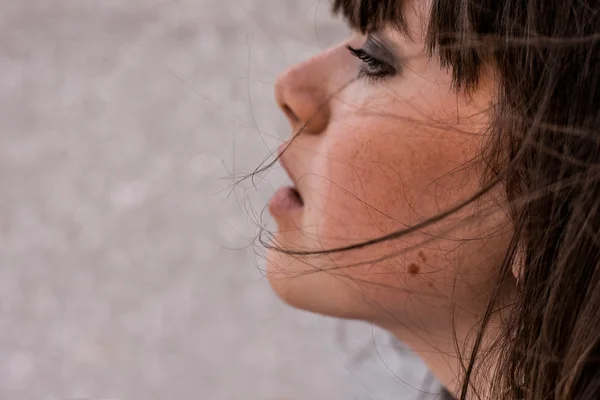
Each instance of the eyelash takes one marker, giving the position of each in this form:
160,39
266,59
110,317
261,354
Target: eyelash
372,68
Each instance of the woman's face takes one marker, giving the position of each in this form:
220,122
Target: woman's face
385,143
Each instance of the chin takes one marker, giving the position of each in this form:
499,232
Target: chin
300,284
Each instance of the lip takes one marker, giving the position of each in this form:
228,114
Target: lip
287,200
283,163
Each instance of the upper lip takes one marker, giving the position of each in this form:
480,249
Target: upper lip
281,152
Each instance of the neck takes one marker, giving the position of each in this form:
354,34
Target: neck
447,351
447,356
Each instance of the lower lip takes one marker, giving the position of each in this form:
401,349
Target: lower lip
285,200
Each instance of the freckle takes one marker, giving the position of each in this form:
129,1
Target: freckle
430,284
422,256
413,269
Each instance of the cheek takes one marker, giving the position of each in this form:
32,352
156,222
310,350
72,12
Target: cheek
378,181
365,183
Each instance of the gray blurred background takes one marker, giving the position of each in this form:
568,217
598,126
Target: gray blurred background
128,269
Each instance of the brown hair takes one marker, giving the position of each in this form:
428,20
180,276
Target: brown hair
546,152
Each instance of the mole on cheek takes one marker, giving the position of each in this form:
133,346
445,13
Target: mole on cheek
413,269
422,256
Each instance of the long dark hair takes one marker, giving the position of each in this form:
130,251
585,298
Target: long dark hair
545,150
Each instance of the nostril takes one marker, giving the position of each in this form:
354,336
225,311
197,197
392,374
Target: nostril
290,114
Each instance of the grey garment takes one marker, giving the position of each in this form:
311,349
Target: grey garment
445,395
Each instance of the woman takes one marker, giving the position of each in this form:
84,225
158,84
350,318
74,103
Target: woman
446,167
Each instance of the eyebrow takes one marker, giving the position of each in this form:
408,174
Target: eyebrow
384,49
371,15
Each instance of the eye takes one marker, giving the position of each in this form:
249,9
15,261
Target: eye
373,67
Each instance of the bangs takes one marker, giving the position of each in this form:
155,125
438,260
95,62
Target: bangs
370,15
450,29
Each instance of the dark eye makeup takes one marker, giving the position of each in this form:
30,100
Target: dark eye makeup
378,61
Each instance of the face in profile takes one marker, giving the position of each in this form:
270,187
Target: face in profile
444,161
381,143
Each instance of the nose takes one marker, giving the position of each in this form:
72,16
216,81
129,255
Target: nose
301,95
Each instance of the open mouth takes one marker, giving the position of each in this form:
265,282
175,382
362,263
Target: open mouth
296,195
285,200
